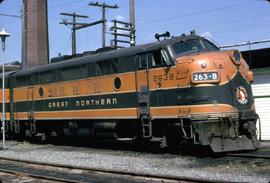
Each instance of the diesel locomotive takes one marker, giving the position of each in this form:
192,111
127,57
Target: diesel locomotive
184,90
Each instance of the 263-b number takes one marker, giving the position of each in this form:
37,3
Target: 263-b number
205,76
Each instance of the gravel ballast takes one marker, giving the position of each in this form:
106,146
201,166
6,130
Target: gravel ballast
224,169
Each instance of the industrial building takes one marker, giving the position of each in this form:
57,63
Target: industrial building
259,62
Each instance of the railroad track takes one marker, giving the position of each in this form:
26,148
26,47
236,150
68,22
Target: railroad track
64,173
249,155
35,176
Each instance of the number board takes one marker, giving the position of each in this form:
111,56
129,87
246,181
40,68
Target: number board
205,77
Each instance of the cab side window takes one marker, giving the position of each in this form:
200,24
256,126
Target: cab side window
158,60
143,61
153,59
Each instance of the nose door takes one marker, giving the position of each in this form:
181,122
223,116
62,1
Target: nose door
31,110
143,93
30,103
142,80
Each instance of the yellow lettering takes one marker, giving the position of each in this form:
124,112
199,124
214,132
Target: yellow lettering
102,101
82,103
92,102
114,101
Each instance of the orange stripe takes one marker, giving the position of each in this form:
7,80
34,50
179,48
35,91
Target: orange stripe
186,111
156,112
82,114
7,115
7,95
88,86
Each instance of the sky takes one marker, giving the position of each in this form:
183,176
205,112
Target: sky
226,22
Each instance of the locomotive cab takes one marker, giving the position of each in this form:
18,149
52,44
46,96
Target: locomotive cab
214,96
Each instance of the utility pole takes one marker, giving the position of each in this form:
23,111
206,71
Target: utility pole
103,6
76,26
132,22
73,23
125,29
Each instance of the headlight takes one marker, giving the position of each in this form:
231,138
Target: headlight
236,57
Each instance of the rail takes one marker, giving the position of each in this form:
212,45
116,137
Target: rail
43,177
248,155
89,171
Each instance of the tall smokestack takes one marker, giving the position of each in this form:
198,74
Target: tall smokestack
35,33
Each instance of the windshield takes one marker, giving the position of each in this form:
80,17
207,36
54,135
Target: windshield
210,46
192,46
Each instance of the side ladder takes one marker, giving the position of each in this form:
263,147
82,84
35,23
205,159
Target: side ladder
147,128
144,110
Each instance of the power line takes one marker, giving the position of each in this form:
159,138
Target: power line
8,15
244,28
248,43
239,20
192,14
76,26
104,7
64,4
222,21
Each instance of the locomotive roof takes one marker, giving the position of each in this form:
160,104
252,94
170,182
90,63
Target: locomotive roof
103,56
